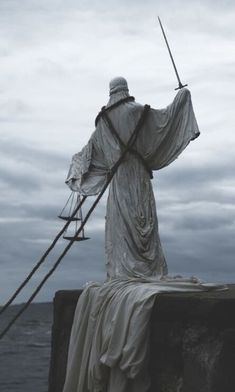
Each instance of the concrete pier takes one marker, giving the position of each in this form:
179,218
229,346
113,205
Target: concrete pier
192,341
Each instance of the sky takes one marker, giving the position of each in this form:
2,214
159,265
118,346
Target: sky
56,60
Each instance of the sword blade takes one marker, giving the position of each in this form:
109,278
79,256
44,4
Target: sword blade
172,60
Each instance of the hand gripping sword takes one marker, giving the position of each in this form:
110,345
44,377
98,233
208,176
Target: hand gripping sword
176,72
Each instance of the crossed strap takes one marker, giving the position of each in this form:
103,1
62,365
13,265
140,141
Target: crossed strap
122,145
113,106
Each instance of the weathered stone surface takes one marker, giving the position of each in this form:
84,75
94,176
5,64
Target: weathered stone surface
64,307
192,341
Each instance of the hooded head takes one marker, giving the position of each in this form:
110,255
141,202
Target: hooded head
118,84
118,89
118,92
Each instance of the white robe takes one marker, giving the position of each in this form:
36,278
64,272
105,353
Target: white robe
132,243
108,349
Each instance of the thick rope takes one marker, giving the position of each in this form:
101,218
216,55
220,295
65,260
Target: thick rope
113,170
113,106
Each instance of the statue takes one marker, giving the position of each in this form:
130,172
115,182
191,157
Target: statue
132,243
108,345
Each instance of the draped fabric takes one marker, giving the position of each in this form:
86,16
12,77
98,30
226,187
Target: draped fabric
132,240
108,349
109,341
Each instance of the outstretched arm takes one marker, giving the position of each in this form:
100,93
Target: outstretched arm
169,131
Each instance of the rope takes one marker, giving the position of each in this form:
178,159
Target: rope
23,284
113,106
113,170
122,144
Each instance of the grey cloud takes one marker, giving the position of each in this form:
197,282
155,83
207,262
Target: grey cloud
51,68
45,159
13,109
207,246
42,212
197,220
56,70
26,169
24,210
18,180
213,170
197,182
84,262
219,72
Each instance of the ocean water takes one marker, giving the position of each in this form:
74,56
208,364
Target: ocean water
25,350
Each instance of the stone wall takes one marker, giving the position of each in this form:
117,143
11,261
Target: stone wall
192,341
64,307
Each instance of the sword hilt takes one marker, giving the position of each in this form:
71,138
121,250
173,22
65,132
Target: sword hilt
180,86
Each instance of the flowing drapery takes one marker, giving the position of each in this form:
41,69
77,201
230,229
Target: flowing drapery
132,242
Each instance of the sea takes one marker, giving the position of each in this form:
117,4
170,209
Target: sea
25,350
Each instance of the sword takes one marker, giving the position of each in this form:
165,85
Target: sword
176,72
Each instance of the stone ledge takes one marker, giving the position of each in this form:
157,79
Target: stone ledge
192,341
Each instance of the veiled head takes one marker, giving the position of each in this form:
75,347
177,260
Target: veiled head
118,84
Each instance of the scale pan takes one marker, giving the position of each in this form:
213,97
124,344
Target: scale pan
67,218
76,239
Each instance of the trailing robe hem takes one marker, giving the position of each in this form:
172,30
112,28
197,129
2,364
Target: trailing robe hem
108,349
132,243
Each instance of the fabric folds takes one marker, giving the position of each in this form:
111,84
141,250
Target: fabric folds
109,341
132,243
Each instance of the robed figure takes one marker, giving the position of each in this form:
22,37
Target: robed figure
108,349
133,247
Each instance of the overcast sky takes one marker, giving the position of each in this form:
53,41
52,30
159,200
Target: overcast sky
56,59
